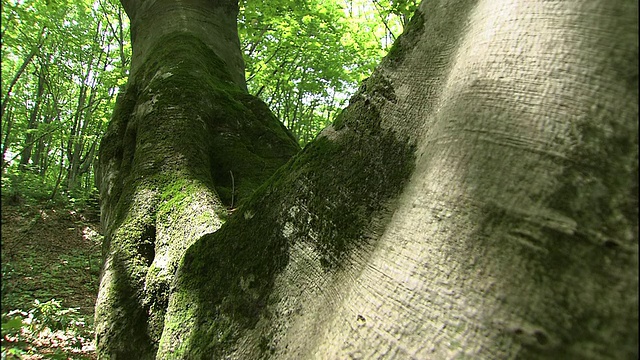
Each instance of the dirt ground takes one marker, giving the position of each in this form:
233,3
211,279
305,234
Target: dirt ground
50,252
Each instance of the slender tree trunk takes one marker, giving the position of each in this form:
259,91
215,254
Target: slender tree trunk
75,142
16,77
33,123
83,154
54,116
45,157
42,148
60,171
6,129
476,199
85,166
42,145
121,41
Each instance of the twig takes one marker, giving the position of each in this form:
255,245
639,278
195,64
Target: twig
233,188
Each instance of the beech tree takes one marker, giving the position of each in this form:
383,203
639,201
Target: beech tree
476,199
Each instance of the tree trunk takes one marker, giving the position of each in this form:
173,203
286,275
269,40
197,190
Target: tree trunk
182,129
16,77
33,124
476,199
78,140
41,154
75,142
6,130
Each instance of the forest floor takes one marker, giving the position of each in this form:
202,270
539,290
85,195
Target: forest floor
50,266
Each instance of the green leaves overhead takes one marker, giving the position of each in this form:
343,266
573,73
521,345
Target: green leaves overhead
305,58
63,62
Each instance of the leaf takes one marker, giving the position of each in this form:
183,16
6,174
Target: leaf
12,324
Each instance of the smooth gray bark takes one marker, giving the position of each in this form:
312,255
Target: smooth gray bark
477,199
516,235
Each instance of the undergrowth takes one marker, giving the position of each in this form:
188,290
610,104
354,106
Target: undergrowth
48,330
50,266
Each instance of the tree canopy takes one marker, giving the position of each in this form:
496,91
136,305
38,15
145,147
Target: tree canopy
304,58
64,62
62,66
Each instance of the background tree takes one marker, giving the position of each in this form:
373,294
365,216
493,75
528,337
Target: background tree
477,198
62,64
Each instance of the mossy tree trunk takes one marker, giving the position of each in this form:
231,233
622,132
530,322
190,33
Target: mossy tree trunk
476,199
185,145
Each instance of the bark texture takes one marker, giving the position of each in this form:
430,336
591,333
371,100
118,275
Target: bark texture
499,219
185,144
476,199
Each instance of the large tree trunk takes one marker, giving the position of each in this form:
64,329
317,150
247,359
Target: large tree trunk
186,142
477,199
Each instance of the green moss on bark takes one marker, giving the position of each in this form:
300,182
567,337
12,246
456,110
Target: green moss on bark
179,132
328,195
242,140
406,41
352,179
246,153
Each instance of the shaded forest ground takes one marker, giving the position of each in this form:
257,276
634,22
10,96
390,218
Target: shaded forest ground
50,268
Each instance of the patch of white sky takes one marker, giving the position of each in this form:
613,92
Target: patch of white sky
364,10
369,10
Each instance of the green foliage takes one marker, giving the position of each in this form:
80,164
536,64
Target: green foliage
28,187
18,187
21,329
62,64
51,253
399,10
304,59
